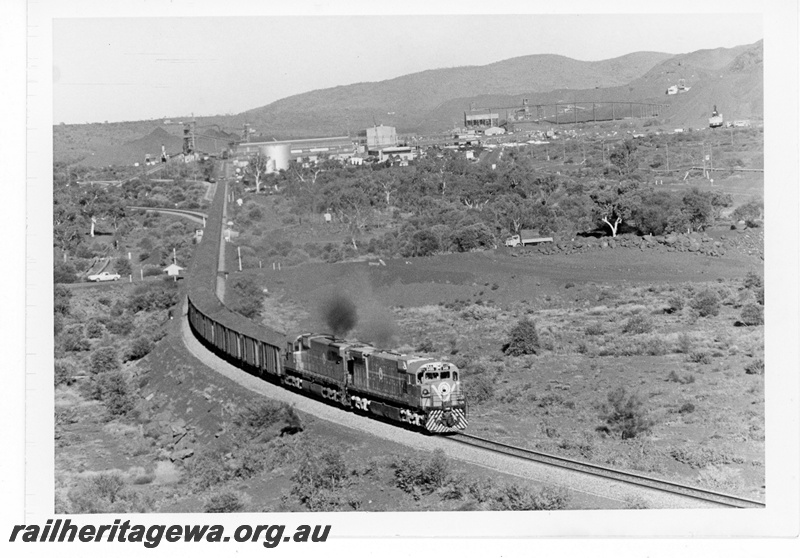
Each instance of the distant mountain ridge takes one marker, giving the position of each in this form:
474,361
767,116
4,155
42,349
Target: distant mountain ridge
435,100
403,101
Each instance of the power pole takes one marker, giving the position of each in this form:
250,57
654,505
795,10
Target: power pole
667,157
711,159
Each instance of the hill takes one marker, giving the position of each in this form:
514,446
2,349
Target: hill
730,78
435,100
403,101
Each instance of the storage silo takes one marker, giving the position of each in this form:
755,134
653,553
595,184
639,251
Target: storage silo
278,155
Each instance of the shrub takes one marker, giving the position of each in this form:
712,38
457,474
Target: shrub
749,212
119,325
422,475
699,457
687,408
150,270
257,419
479,389
94,329
63,373
674,304
319,480
701,357
472,237
638,323
755,367
104,359
652,345
107,493
478,312
139,348
516,497
123,266
752,314
72,341
595,329
523,339
247,296
753,281
422,243
706,303
626,414
685,343
64,273
158,296
113,390
224,502
61,299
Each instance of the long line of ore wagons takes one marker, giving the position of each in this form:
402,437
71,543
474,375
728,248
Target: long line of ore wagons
410,389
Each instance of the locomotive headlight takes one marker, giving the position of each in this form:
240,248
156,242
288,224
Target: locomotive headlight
426,392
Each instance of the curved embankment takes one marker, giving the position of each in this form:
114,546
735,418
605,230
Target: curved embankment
202,287
196,216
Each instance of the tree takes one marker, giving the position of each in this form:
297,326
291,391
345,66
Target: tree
104,359
257,168
696,212
656,211
614,203
422,243
388,186
523,339
625,158
750,211
304,174
353,206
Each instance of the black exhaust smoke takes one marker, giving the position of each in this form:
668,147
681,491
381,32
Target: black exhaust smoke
339,313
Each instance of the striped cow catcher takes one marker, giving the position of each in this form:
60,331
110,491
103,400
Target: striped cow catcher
448,420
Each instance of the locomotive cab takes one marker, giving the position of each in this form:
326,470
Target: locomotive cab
439,384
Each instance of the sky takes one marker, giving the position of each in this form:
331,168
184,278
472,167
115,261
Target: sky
133,68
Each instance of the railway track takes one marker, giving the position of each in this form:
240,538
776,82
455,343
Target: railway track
701,494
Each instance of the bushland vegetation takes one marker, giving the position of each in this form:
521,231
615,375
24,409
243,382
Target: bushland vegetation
93,221
444,203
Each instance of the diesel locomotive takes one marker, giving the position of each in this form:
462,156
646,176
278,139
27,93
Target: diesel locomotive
419,391
415,390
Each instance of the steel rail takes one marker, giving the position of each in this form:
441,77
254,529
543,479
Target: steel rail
645,481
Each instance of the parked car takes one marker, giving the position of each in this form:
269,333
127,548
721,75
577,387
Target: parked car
104,276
